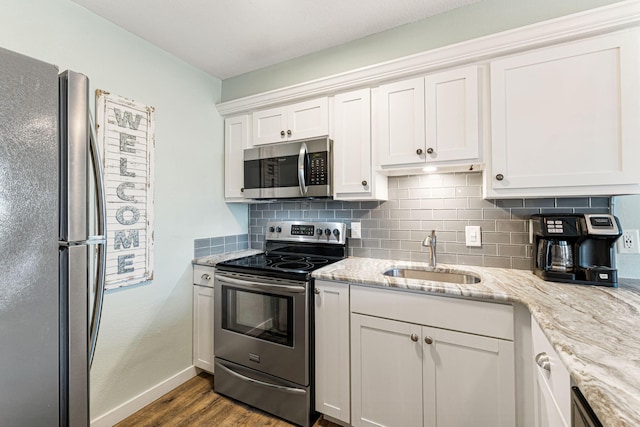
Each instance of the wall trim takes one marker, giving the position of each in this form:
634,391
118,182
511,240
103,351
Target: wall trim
613,17
138,402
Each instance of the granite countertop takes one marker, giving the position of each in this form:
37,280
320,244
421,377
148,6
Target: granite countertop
595,330
212,260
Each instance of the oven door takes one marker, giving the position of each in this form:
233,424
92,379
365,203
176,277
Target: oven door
262,323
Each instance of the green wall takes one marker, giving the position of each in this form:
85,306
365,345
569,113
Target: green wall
476,20
145,334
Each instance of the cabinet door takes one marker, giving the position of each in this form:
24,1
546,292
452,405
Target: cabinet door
552,395
270,126
236,139
333,383
308,119
203,327
386,367
468,380
566,117
400,117
452,115
352,143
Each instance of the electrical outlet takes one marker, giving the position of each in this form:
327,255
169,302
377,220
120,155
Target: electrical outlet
628,243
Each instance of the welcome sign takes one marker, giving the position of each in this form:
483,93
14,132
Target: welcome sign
125,131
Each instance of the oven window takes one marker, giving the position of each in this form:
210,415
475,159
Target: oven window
261,315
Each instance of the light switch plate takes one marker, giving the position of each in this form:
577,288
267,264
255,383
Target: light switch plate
356,230
473,237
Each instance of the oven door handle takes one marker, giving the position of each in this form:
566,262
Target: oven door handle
303,167
263,287
262,383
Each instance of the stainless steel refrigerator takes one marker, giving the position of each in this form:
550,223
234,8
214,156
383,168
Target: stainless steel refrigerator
51,246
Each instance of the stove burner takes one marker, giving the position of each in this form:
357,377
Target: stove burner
317,260
292,265
292,258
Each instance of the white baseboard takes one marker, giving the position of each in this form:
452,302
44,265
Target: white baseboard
119,413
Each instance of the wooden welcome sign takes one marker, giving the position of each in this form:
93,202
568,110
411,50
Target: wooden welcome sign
125,131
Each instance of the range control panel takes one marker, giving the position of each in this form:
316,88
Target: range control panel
303,231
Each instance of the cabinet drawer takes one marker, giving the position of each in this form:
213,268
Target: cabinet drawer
481,318
554,380
203,276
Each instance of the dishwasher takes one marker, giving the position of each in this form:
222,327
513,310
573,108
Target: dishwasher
581,413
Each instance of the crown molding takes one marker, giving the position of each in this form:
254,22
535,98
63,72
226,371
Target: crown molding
614,17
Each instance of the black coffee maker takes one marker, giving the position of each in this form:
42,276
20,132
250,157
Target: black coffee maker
575,248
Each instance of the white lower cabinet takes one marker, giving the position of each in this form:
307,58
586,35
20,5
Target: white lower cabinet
203,317
412,359
405,374
424,360
332,350
386,372
552,393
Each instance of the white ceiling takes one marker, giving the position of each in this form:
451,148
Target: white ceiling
227,38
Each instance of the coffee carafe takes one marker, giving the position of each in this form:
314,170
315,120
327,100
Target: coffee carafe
575,248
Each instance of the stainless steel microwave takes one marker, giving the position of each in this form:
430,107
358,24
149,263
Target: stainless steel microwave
289,170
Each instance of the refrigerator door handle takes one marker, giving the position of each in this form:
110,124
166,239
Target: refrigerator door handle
100,241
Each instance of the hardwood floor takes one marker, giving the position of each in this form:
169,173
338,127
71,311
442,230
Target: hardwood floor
195,403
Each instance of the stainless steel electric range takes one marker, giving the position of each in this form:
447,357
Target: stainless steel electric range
264,318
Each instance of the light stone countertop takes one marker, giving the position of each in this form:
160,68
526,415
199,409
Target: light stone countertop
595,330
212,260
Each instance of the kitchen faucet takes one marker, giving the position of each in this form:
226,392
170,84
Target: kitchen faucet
430,241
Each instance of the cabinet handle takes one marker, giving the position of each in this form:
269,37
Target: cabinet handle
419,151
364,183
428,340
204,279
429,150
316,291
281,133
542,360
289,132
499,177
414,337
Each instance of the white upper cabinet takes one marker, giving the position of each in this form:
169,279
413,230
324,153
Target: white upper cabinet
353,161
432,120
236,139
453,130
301,120
400,117
565,120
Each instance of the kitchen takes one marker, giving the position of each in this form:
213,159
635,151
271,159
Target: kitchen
146,336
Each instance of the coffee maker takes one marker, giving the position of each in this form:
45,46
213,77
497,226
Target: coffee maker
575,248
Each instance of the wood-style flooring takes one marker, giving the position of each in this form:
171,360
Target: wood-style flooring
194,403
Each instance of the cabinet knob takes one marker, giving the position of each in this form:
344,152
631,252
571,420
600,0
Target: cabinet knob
428,340
289,132
419,151
429,150
542,360
364,183
414,337
242,190
316,291
281,133
205,277
499,177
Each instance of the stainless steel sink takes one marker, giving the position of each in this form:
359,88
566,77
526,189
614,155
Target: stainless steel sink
436,276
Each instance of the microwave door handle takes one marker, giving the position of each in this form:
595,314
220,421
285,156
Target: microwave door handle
302,169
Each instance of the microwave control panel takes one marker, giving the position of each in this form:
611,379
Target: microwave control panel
319,169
